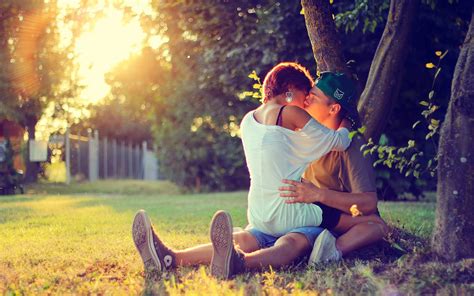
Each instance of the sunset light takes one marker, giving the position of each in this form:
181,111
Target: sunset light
110,41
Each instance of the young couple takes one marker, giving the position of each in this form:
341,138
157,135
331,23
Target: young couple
303,183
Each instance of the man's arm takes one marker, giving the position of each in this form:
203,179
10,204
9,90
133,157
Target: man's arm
306,192
366,201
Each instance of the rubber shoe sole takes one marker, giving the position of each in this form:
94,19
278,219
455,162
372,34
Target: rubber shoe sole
222,242
143,239
324,248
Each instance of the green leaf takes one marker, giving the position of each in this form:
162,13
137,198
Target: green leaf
411,143
415,124
377,162
424,103
383,140
431,94
444,54
352,134
362,129
253,75
398,247
437,73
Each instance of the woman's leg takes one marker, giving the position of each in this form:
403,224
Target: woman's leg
158,256
202,254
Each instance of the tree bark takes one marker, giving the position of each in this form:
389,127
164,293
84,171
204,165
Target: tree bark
325,41
32,168
453,234
383,83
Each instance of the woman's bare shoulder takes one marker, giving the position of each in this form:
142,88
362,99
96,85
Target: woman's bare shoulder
297,116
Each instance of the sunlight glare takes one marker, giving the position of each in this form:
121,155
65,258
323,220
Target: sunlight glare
99,50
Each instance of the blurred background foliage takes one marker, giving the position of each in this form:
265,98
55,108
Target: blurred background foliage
184,94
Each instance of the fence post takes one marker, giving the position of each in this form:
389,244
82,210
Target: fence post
96,154
114,156
68,157
79,160
136,152
130,160
144,148
93,157
155,158
122,160
106,158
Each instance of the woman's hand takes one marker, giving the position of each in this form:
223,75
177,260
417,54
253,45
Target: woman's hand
300,192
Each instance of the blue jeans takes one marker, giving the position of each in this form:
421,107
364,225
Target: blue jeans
265,240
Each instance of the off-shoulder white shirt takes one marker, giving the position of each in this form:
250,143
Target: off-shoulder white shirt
274,153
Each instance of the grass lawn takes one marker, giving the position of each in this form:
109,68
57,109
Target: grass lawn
77,240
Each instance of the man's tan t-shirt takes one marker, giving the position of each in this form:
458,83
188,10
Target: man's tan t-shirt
344,171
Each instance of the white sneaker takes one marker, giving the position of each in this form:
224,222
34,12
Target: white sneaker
324,249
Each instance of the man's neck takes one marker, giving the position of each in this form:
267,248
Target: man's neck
332,123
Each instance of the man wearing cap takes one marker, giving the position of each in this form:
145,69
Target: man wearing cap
340,180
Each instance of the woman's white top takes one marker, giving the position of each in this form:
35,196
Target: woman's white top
274,153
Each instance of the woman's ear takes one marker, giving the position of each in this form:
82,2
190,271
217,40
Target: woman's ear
335,109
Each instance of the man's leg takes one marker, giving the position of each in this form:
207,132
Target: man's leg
202,254
228,261
358,233
286,250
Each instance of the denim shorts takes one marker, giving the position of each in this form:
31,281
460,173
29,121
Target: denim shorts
265,240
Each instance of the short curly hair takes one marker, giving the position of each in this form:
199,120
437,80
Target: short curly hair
282,76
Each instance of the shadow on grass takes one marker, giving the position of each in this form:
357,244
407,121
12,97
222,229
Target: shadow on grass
397,243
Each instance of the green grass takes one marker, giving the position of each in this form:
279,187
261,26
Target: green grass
77,240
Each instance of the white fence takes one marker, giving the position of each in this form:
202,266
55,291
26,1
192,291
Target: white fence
93,158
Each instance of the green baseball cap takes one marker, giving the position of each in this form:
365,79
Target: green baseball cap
342,89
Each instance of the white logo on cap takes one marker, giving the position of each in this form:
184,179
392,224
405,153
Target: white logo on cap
338,94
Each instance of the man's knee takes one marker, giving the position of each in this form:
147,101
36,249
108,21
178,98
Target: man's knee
381,225
294,240
246,241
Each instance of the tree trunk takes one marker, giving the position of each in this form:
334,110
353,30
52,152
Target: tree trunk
326,44
382,88
453,234
32,168
383,82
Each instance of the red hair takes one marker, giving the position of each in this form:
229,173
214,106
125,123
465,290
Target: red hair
282,76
